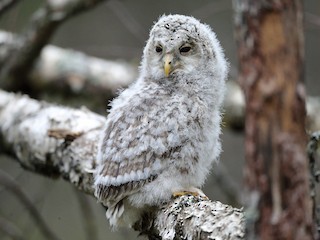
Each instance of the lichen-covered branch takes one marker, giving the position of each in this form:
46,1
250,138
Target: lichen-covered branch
190,217
5,5
62,142
52,140
68,69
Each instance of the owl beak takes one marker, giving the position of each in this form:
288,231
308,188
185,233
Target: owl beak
168,59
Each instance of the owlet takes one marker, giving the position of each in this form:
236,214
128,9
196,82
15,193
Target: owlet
162,133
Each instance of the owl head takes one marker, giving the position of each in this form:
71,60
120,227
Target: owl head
181,46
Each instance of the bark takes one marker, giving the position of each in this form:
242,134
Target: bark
5,5
62,142
269,35
313,151
196,218
52,140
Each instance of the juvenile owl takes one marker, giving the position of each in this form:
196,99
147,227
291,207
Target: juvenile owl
162,133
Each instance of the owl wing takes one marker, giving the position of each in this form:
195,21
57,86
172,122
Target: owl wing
130,154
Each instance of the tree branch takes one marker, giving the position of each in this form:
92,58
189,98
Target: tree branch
55,141
44,23
60,69
62,142
5,5
190,217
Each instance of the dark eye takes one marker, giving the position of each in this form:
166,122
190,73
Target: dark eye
158,49
185,49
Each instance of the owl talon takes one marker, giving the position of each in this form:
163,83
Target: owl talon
192,193
183,193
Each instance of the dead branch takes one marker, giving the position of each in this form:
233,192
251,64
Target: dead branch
62,142
5,5
62,69
313,116
190,217
132,25
55,141
44,23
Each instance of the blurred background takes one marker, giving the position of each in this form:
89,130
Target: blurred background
118,30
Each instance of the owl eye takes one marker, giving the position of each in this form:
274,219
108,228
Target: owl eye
185,49
158,49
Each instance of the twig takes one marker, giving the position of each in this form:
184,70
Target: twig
61,69
5,5
12,186
227,185
128,20
313,116
44,23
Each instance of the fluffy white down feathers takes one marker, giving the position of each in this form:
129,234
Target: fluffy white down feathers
162,133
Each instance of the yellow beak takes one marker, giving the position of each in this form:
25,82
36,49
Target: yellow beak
168,58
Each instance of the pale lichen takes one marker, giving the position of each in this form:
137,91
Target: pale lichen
190,217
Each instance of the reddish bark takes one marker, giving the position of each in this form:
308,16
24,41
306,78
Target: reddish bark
270,48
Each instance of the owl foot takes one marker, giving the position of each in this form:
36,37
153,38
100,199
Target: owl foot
196,192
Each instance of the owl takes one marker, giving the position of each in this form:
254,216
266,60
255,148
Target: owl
162,133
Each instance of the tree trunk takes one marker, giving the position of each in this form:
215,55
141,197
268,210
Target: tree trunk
269,35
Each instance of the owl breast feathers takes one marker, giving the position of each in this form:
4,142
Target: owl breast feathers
162,133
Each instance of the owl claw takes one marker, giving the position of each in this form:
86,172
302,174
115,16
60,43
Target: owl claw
194,192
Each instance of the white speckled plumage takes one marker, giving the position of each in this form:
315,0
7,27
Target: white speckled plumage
162,133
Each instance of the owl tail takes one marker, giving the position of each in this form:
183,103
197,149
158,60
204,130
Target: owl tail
114,213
